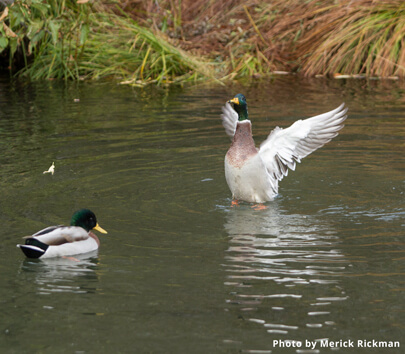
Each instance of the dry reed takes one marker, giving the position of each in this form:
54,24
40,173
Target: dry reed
178,40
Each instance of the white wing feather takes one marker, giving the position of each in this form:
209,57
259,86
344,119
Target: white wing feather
284,147
229,119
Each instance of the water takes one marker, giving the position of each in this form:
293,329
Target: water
181,271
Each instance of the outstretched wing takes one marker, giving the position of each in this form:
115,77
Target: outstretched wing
284,147
229,119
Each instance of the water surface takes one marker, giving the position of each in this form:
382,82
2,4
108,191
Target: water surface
181,270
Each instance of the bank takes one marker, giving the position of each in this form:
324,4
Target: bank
165,42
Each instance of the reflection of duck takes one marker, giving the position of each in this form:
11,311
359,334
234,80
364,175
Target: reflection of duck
58,241
285,248
253,174
63,274
283,271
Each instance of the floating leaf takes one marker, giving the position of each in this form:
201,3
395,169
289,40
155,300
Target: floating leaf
51,169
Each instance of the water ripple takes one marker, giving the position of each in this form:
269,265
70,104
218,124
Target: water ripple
276,263
62,275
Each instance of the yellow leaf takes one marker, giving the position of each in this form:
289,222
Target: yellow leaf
8,31
4,14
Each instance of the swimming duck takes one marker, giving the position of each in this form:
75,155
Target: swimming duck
253,174
59,241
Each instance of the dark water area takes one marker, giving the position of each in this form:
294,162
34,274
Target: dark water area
181,270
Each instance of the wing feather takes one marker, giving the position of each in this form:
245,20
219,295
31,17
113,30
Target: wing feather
229,119
45,231
283,148
61,234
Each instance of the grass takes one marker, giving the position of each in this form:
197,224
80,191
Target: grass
76,41
191,40
255,38
118,47
364,39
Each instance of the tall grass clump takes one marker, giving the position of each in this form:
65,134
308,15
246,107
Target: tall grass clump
119,47
75,40
362,37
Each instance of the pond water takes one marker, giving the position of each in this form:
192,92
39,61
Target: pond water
181,270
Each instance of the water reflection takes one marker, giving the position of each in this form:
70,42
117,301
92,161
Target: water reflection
67,275
284,271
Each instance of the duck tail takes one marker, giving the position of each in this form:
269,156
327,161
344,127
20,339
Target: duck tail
33,248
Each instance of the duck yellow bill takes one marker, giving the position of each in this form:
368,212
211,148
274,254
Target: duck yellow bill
99,228
234,100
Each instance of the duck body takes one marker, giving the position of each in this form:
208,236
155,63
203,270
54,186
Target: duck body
253,174
59,241
244,167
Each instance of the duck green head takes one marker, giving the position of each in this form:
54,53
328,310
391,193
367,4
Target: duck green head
86,219
240,106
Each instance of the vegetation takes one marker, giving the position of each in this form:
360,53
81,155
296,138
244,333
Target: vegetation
364,38
182,40
74,40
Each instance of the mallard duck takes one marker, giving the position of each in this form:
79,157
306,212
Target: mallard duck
59,241
253,174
